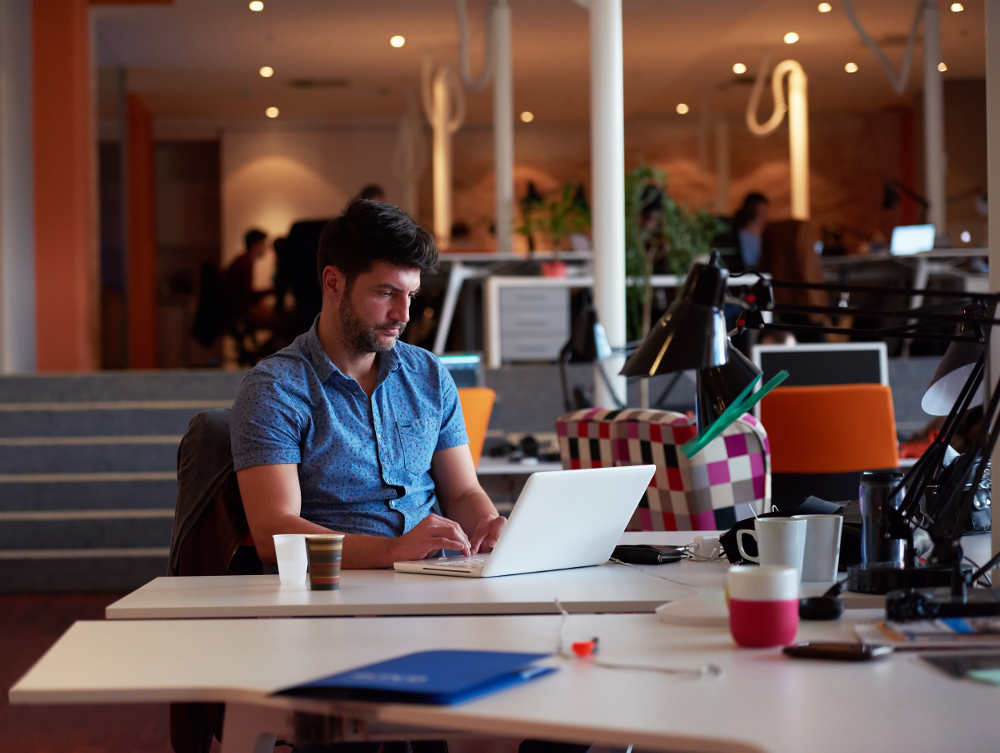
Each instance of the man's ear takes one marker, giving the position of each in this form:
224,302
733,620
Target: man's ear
334,281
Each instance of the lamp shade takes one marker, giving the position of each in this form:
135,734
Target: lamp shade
956,365
719,386
692,333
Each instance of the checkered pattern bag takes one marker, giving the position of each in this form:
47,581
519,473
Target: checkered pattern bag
708,492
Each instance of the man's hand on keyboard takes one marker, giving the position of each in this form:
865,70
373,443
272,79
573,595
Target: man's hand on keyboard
429,536
484,538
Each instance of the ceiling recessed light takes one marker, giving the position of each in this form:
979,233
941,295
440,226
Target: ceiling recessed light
957,7
266,71
256,6
966,236
397,40
527,116
942,66
682,108
824,7
739,69
851,67
272,112
791,37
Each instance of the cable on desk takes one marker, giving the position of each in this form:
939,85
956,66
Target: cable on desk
648,574
701,671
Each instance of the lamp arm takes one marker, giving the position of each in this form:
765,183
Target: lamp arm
882,291
906,331
910,193
928,317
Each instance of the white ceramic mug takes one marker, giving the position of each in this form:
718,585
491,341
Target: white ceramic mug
290,551
822,552
780,541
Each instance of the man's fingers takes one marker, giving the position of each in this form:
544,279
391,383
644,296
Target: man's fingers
444,542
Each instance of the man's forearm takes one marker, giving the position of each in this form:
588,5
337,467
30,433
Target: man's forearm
360,550
470,508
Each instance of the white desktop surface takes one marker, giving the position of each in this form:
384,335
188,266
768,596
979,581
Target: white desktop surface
762,702
606,588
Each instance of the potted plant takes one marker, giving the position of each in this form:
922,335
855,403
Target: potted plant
658,230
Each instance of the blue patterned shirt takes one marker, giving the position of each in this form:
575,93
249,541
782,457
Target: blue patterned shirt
363,464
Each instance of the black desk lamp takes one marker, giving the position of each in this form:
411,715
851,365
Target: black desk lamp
692,335
891,190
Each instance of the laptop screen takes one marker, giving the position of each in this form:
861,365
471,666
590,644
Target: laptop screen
911,239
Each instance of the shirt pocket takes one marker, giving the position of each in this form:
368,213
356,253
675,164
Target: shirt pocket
417,440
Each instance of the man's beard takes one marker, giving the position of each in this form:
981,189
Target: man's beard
361,337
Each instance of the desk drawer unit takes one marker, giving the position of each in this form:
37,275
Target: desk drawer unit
534,323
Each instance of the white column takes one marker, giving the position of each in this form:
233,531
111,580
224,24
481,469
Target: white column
993,182
607,155
17,215
935,159
441,100
722,200
798,141
503,127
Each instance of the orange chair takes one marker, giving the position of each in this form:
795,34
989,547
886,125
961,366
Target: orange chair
477,405
823,436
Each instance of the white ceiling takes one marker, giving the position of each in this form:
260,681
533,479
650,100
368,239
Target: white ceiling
197,60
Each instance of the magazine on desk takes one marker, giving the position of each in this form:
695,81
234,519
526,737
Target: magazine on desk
933,635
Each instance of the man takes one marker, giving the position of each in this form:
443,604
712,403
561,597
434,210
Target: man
350,430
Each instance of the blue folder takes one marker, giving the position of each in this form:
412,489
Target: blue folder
440,677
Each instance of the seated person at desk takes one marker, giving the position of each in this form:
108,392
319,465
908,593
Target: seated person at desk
348,429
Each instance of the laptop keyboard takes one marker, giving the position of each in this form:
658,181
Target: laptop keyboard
460,563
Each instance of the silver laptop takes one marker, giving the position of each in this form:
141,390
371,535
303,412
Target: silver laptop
562,519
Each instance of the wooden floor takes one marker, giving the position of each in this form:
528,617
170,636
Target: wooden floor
29,624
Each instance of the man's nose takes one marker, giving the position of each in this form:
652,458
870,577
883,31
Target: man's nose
401,310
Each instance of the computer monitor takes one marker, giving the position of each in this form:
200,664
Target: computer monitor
465,368
911,239
823,363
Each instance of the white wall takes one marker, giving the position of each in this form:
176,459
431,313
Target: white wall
17,217
270,179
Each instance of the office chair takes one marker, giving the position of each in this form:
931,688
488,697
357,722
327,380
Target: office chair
710,491
822,437
477,406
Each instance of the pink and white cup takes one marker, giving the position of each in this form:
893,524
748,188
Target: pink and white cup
763,605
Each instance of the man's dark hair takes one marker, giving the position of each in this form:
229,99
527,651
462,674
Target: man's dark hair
253,236
371,231
372,191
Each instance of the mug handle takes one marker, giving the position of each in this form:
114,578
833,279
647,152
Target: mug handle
739,544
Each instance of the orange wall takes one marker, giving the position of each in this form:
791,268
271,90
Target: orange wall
65,238
141,248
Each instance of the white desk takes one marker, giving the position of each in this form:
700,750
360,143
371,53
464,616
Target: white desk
762,702
472,266
607,588
503,466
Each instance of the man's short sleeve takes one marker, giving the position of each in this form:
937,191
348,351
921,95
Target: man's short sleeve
452,432
265,428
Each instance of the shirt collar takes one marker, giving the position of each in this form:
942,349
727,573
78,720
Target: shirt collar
388,361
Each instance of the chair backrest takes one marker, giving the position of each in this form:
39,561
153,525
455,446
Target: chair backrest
707,492
209,522
477,405
831,428
823,437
